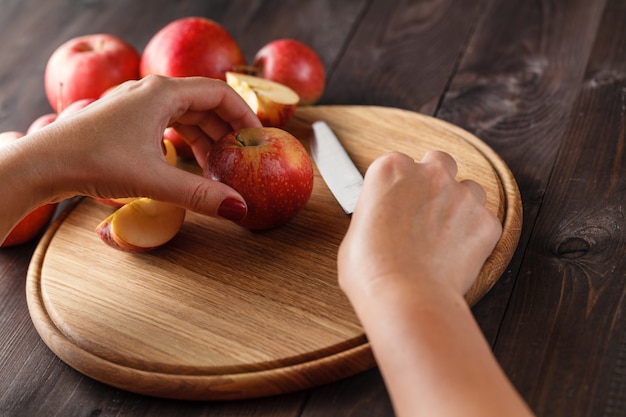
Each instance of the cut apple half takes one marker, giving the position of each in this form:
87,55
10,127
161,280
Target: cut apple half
273,103
141,225
171,157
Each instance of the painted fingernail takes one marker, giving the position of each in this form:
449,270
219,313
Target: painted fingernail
232,209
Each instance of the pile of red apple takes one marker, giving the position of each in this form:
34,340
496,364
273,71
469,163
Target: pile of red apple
285,73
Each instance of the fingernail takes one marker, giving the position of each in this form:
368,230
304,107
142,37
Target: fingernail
232,209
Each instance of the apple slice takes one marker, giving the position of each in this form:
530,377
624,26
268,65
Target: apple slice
141,225
273,103
170,156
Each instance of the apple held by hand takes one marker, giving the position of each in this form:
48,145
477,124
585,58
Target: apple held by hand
270,169
294,64
34,222
87,66
191,46
273,103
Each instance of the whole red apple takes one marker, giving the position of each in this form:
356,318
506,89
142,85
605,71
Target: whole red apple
270,169
31,225
87,66
294,64
191,46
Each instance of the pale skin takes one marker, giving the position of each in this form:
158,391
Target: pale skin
416,242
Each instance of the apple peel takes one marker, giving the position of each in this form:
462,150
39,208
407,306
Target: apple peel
142,225
272,102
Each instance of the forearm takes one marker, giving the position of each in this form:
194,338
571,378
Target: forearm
23,185
433,356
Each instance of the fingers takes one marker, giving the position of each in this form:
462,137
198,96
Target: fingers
197,193
441,158
393,161
198,95
477,190
447,161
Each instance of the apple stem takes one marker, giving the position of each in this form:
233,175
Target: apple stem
60,98
240,139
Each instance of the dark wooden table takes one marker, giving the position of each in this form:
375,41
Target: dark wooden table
542,82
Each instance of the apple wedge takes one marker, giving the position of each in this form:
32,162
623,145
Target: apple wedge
273,103
141,225
171,156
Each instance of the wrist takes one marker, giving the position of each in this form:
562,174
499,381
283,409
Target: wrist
384,294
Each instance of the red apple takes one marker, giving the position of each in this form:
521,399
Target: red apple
182,147
191,46
270,169
34,222
294,64
87,66
41,121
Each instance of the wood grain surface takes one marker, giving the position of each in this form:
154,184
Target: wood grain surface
221,312
540,82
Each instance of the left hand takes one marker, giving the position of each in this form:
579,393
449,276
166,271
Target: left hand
113,148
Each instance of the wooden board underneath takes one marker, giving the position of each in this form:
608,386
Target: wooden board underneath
224,313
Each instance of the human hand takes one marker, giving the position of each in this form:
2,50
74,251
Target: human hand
415,225
113,148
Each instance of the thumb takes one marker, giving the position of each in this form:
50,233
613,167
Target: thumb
199,194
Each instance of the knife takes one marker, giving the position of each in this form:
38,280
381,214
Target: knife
339,172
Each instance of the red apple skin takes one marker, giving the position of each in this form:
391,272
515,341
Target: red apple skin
294,64
40,122
87,66
270,169
30,226
182,147
34,222
75,106
191,46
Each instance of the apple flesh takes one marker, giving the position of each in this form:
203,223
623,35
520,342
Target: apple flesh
294,64
191,46
35,221
270,169
141,225
87,66
273,103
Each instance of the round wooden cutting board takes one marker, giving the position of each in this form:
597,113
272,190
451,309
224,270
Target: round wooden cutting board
224,313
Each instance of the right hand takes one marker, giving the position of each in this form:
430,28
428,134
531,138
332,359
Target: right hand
415,224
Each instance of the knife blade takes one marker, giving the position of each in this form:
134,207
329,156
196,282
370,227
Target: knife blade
337,168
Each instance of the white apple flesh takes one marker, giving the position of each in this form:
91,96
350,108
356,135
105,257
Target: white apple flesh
141,225
273,103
